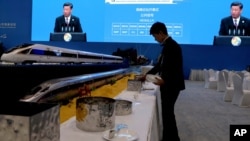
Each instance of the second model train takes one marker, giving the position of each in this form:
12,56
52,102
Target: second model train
61,89
39,53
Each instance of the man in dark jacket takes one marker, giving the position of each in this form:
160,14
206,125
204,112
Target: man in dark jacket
67,22
235,24
170,69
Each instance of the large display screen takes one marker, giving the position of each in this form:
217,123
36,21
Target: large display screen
188,21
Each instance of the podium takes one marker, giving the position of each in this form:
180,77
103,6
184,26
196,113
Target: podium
231,41
68,36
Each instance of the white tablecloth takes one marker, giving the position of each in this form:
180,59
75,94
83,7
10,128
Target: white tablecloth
145,119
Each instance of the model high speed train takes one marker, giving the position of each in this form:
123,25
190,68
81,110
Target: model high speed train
61,89
39,53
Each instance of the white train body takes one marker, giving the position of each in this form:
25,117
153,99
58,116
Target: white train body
39,53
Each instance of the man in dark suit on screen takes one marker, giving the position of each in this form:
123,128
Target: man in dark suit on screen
235,24
67,22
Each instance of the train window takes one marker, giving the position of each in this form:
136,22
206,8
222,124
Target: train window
58,52
49,53
88,56
37,52
63,54
26,51
35,90
49,95
111,58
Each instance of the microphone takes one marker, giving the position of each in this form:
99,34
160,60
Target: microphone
243,31
234,30
63,27
69,27
239,30
73,25
229,30
243,27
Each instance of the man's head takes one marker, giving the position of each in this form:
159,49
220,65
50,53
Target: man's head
159,31
236,9
67,9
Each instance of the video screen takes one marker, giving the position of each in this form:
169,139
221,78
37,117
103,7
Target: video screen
188,21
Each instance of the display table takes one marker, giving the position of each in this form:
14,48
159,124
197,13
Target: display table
145,118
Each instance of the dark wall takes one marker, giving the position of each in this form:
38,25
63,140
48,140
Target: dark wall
216,57
15,21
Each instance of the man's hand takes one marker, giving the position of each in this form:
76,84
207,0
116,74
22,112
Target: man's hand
141,78
159,81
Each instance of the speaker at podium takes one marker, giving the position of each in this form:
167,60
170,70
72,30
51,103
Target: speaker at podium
231,41
68,36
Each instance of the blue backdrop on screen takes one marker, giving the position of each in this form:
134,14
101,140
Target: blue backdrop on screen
188,21
15,22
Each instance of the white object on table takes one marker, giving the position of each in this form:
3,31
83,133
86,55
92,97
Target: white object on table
152,78
144,120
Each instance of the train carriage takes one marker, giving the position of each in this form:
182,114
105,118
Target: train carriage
60,89
39,53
